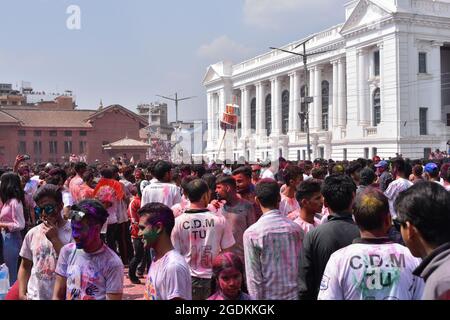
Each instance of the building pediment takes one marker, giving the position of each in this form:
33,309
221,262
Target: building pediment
118,109
211,75
366,13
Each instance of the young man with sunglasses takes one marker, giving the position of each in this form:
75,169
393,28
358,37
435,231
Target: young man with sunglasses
42,245
88,269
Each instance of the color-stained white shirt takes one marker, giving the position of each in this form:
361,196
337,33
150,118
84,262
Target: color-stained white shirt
272,246
165,193
200,236
306,226
288,205
393,190
368,271
169,278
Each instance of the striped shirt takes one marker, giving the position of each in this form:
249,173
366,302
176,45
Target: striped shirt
271,248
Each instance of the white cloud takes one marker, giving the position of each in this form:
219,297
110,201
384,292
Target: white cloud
224,48
276,14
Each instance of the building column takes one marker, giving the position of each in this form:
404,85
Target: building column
318,98
260,112
362,88
244,112
276,106
434,114
342,99
335,111
381,83
297,102
210,117
311,106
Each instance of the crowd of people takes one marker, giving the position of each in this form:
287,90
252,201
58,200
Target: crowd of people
369,229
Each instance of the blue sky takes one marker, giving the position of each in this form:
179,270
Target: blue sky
127,52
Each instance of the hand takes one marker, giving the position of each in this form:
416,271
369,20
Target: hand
18,160
50,231
218,203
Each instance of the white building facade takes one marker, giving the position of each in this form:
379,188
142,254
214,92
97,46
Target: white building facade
382,87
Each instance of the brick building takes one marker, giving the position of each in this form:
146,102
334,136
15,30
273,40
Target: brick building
53,131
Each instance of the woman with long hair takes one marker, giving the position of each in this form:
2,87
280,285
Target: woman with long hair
12,220
228,281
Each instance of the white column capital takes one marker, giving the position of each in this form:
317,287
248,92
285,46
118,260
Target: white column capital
436,43
361,51
380,45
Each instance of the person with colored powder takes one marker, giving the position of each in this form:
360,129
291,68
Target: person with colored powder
161,190
398,185
238,212
245,186
372,267
293,175
271,249
169,276
310,199
424,222
88,269
228,278
200,235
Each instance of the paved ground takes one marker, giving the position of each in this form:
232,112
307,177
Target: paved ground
132,291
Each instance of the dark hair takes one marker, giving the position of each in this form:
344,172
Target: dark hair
367,177
94,209
426,205
353,167
158,212
199,169
417,170
88,175
307,188
196,189
319,173
268,193
399,165
338,191
210,180
445,171
48,190
291,173
11,188
371,208
160,169
186,180
226,179
107,173
244,170
80,167
58,172
224,261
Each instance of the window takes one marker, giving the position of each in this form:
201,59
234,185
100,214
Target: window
376,107
53,133
22,133
374,152
248,155
83,133
268,114
304,154
302,111
366,153
422,62
448,119
280,152
37,133
376,63
325,104
253,114
67,147
423,121
37,147
22,149
154,118
67,133
2,151
345,154
321,152
426,153
285,111
53,147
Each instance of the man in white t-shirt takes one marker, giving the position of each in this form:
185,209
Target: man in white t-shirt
169,277
400,184
200,235
311,202
41,246
162,190
373,267
88,269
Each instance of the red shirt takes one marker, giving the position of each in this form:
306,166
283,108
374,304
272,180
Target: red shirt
133,208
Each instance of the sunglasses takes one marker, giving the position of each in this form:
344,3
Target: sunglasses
76,215
49,209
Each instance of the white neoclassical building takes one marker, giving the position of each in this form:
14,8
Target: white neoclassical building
382,87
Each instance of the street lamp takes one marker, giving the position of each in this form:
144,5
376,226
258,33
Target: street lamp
307,98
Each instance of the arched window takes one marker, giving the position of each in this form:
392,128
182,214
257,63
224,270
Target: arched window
253,114
376,107
268,114
302,110
325,104
285,111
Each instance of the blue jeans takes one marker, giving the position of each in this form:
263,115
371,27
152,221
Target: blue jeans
12,241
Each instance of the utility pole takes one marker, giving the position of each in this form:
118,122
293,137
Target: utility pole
176,103
304,116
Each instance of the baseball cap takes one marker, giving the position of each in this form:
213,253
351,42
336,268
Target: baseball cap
430,167
382,163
